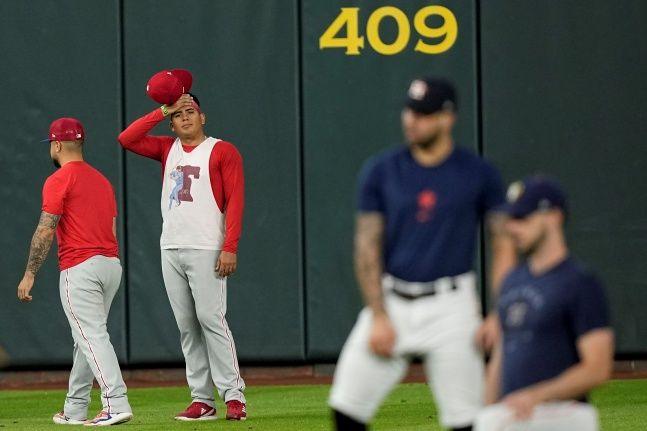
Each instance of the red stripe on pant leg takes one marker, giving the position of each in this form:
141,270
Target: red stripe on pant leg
69,304
229,337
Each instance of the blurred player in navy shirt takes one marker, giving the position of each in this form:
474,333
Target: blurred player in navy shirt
419,208
557,343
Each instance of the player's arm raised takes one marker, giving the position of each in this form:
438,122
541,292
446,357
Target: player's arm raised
41,242
369,232
136,138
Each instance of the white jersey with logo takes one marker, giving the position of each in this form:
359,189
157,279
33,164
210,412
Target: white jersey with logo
191,217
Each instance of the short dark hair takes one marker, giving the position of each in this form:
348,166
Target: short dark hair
195,98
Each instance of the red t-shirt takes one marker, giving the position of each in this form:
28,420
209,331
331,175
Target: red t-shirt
85,200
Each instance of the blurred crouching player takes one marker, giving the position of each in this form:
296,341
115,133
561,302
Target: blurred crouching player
557,344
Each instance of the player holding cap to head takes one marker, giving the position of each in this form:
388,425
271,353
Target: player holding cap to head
419,208
202,209
557,344
79,205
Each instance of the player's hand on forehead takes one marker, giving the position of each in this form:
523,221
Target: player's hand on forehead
184,102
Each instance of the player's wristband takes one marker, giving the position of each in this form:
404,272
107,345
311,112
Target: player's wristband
164,110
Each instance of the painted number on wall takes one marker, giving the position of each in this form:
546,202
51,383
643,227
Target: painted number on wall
443,37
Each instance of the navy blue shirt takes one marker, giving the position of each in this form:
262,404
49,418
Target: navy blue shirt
542,317
431,213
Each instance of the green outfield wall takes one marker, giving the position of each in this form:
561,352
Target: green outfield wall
307,90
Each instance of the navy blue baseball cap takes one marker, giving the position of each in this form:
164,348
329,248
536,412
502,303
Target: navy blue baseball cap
534,193
429,95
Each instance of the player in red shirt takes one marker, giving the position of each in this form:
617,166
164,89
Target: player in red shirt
202,208
79,205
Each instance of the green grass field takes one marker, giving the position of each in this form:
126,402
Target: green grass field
622,405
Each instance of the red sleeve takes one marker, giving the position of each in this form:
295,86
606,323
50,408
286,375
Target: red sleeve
54,191
228,185
114,202
135,137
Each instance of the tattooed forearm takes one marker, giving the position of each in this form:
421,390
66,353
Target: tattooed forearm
48,220
368,258
41,242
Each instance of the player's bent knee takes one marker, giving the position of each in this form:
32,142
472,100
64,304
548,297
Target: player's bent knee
492,418
350,407
346,423
588,416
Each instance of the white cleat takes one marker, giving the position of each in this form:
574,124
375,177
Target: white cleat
104,419
60,419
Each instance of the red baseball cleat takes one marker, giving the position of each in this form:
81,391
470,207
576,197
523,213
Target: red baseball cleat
197,412
236,411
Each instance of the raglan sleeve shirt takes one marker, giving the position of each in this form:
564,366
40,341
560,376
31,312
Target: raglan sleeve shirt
225,166
136,139
228,185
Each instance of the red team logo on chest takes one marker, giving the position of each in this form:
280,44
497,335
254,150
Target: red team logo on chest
426,202
182,177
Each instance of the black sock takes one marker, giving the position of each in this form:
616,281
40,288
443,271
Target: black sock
468,428
345,423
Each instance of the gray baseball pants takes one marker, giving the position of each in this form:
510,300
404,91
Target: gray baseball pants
87,290
198,297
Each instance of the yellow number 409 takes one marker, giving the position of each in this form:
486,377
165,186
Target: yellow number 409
353,42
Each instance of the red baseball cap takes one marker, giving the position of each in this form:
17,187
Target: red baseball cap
167,86
65,129
184,76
